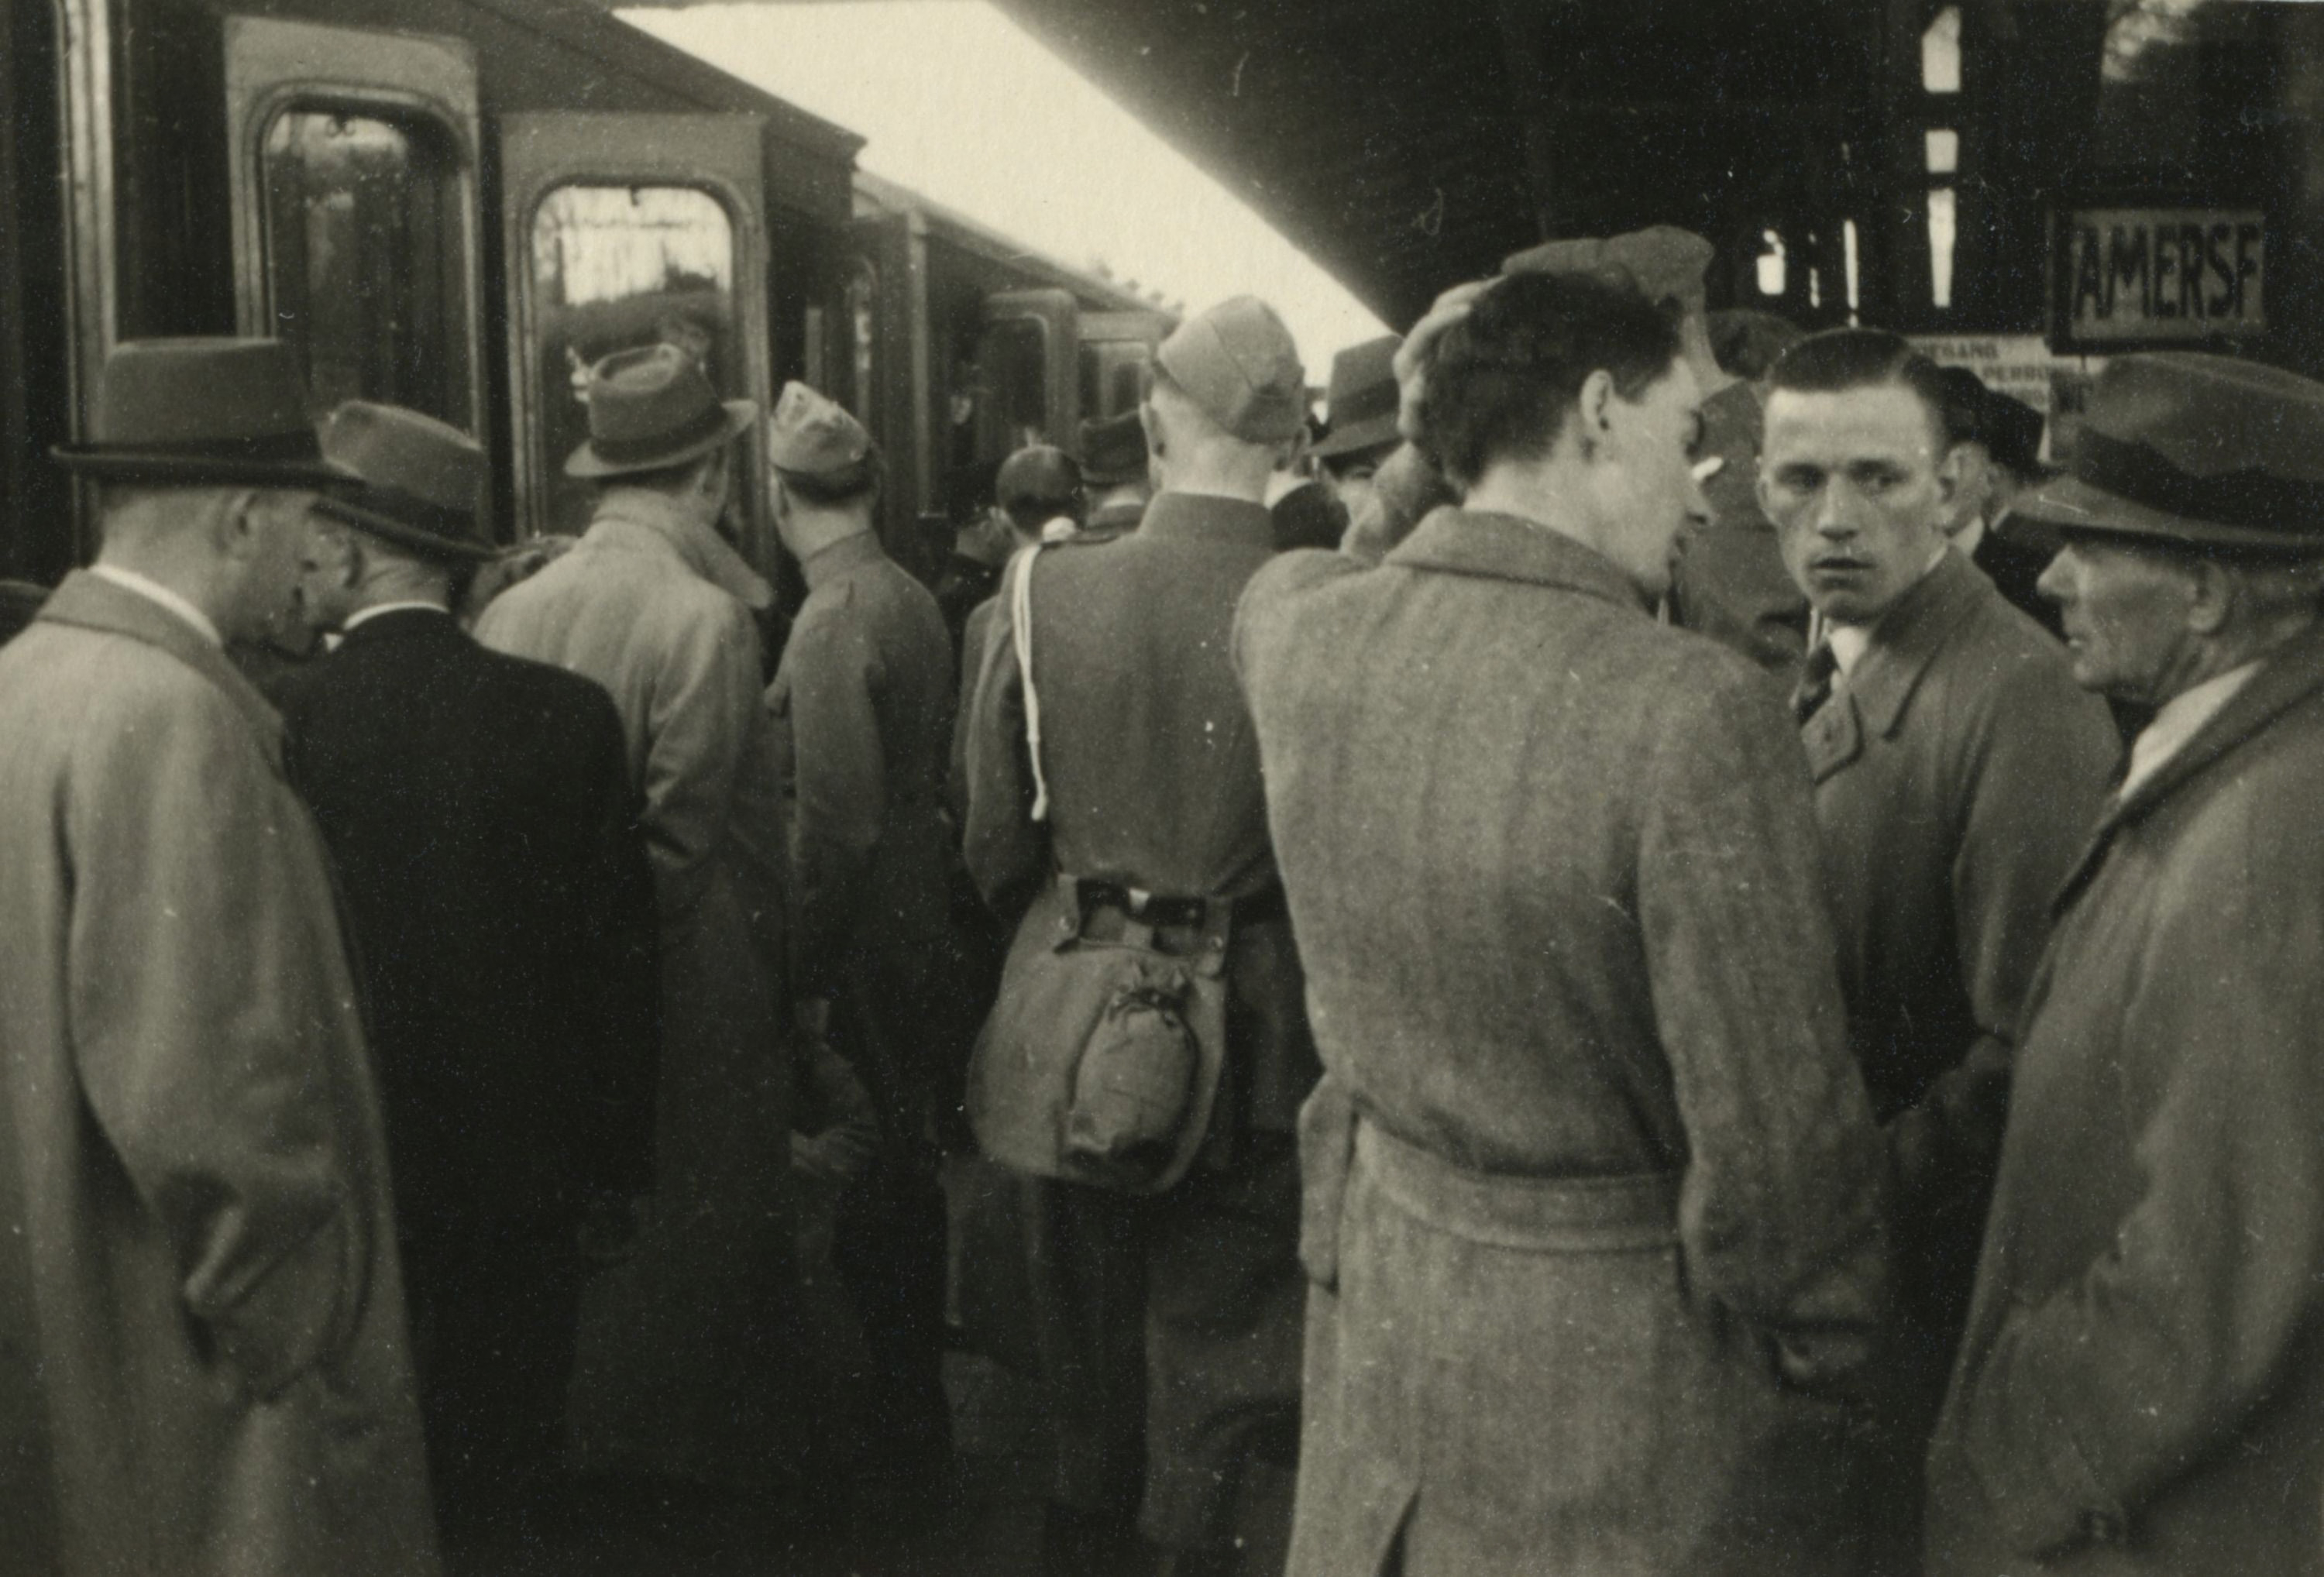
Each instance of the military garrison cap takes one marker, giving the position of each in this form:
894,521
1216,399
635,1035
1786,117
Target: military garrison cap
1237,361
813,436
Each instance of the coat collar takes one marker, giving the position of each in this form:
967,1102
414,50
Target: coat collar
828,564
90,602
636,521
1908,637
1498,547
400,624
1202,517
2287,678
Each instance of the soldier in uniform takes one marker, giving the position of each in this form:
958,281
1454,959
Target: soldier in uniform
1126,776
860,703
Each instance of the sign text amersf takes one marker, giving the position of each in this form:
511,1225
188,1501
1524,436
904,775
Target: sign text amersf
2159,276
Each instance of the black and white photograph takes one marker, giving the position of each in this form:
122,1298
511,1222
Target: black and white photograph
1161,788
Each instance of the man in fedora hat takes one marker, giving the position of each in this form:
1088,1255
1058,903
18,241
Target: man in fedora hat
479,811
2142,1385
1360,401
1996,443
1115,470
861,703
1956,767
680,1367
1170,1323
202,1349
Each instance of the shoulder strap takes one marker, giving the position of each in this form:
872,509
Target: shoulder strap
1020,622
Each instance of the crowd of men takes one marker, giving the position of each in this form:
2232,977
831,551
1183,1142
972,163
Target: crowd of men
1665,952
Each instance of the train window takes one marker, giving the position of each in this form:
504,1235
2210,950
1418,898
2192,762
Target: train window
1014,383
862,337
365,257
1112,376
616,267
1940,54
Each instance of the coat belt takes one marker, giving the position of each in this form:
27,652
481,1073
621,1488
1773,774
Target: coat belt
1553,1215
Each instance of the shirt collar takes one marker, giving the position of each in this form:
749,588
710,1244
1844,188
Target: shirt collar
834,559
154,591
1500,547
408,607
2181,717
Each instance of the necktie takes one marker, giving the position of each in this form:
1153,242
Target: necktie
1814,687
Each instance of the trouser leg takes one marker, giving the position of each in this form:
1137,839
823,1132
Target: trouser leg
1086,1255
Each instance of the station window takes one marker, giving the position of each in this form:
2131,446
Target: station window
366,273
1940,54
1774,266
616,267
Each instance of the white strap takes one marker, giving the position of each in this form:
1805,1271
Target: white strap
1020,622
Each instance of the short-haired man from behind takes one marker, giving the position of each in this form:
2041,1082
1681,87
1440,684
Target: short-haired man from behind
1116,471
1114,796
681,1367
1957,767
479,812
861,702
203,1353
2141,1388
1593,1201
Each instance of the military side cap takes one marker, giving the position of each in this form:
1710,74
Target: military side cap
2203,450
419,479
812,434
209,410
1037,474
1113,451
1661,259
652,407
1237,363
1361,399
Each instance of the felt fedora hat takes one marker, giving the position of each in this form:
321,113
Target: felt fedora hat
211,409
417,479
652,407
1361,399
2206,451
1112,451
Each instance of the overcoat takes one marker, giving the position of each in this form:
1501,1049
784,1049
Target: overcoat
1593,1198
682,1365
2141,1389
203,1358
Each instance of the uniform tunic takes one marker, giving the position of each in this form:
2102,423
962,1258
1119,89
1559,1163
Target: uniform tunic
2141,1389
1152,771
682,1366
203,1366
1603,1238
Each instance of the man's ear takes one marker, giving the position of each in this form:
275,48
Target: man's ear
234,525
1952,473
2211,598
1596,399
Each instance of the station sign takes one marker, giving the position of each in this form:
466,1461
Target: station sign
2126,277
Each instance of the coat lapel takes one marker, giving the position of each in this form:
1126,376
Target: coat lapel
93,602
1834,736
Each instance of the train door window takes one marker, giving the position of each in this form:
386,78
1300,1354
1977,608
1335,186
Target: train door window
365,274
862,341
1113,375
1013,394
353,190
614,268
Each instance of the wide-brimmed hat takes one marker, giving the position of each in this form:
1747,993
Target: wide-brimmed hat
2204,450
1361,399
652,407
1237,361
419,479
209,410
1112,451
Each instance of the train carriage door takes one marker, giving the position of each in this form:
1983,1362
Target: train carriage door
1116,348
353,184
1028,382
626,230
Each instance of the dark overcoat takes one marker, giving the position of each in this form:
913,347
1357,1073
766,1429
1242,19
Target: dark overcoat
682,1367
1604,1237
2141,1389
479,810
203,1363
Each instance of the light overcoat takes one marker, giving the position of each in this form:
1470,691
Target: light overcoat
203,1361
2141,1389
682,1365
1602,1247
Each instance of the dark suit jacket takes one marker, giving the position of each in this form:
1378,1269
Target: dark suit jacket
478,810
